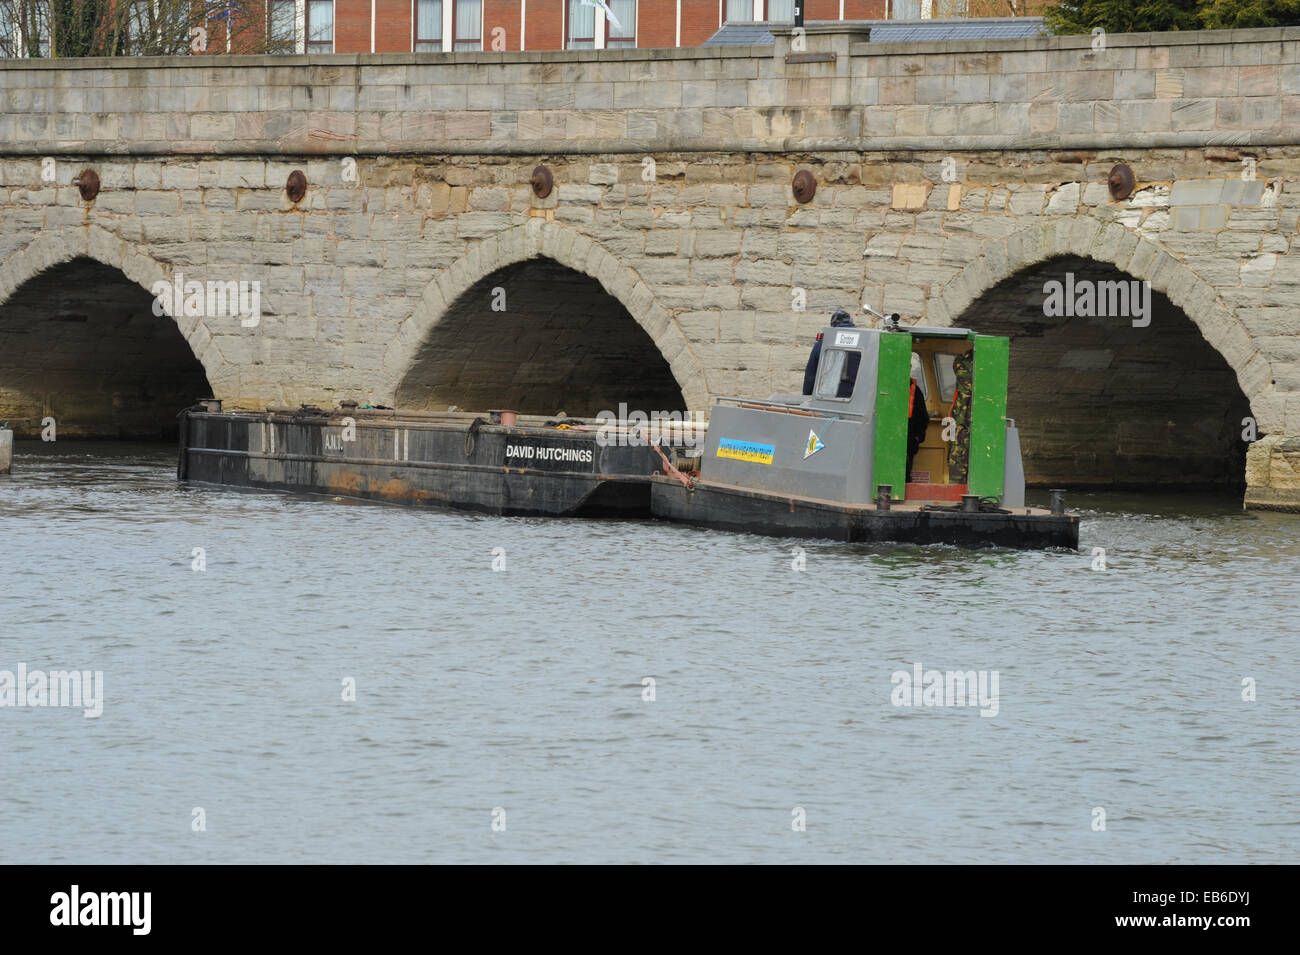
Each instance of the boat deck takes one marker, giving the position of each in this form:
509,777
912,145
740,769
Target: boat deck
936,504
729,507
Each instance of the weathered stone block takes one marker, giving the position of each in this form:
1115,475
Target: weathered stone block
910,195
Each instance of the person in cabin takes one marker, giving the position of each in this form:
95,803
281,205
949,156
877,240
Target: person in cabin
959,450
849,373
918,416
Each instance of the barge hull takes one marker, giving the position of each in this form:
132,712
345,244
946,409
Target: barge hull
725,507
420,462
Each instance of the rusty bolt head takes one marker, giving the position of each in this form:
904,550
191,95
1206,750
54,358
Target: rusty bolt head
542,182
804,186
87,183
296,186
1120,181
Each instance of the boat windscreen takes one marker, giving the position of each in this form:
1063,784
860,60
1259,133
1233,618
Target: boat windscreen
836,373
946,377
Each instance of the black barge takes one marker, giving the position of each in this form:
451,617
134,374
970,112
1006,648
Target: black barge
498,463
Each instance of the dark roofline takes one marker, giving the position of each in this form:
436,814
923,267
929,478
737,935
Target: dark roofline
760,32
880,23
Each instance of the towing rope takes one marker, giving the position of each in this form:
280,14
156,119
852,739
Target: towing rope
670,470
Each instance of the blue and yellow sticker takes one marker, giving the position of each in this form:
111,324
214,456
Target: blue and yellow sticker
745,451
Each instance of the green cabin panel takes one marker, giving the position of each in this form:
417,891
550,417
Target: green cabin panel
892,383
988,429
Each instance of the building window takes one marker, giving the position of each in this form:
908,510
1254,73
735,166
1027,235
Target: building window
428,26
625,33
139,17
320,26
14,16
779,11
467,25
582,26
740,11
8,30
281,26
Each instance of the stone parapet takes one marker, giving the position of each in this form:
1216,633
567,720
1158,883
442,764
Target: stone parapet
1230,88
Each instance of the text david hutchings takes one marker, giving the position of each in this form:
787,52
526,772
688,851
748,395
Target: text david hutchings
533,453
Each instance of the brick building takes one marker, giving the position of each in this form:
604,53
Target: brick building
161,27
390,26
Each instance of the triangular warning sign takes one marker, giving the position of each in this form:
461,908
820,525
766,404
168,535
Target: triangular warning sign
814,445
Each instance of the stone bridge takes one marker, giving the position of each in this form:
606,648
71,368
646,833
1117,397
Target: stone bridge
669,260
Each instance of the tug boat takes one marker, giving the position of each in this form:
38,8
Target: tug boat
832,464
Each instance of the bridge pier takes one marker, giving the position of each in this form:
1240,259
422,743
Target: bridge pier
1273,474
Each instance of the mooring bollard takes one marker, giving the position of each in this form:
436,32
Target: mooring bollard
1058,502
6,450
883,494
970,503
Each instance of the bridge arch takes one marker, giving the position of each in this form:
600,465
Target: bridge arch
80,340
541,240
1102,402
1129,252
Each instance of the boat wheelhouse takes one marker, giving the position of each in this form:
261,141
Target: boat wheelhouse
833,463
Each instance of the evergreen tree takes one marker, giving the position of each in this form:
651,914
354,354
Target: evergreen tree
1128,16
76,26
1241,14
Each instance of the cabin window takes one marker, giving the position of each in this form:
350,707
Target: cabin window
836,374
946,377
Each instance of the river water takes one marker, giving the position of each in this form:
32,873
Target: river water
500,715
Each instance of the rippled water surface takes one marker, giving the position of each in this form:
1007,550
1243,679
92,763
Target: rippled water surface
522,689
